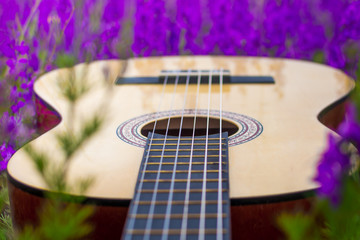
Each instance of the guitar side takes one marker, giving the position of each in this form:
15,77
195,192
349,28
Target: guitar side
280,162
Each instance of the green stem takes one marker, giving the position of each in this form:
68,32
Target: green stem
28,20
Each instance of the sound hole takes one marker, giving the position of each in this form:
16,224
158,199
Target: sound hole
187,127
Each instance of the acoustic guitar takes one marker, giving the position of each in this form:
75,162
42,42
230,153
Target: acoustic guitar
191,147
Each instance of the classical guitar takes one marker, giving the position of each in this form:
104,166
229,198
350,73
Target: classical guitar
192,147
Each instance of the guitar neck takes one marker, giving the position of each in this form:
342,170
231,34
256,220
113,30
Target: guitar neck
182,190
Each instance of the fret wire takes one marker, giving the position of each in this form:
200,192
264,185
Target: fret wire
182,171
184,180
187,139
179,215
183,163
180,202
184,156
169,205
178,191
152,207
186,144
183,150
209,231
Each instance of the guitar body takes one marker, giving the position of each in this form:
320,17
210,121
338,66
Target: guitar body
273,153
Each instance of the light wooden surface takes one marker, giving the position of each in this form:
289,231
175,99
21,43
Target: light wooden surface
281,160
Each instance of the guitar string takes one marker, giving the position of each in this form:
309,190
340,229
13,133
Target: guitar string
187,194
171,190
137,195
201,235
150,217
219,223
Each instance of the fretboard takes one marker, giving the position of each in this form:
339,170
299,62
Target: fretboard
182,192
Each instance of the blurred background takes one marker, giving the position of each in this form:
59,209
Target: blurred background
37,36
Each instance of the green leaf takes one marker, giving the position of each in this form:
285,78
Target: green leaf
319,57
64,60
73,90
69,222
40,159
91,127
295,226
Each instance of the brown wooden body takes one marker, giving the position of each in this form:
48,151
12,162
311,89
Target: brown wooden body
252,217
248,221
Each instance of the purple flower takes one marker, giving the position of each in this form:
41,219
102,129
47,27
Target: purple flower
8,124
16,107
7,48
350,23
34,62
334,54
350,128
6,152
151,28
8,10
63,9
189,21
333,166
113,11
22,48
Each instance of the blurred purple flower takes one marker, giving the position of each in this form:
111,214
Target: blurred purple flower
151,28
34,62
6,152
332,167
22,48
8,125
292,29
350,128
350,23
334,54
113,11
63,9
17,106
189,22
44,11
8,9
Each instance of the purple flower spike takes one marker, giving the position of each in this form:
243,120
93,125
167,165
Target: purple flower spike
333,165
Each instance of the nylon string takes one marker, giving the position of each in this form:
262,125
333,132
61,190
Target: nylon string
168,207
153,199
187,194
203,194
219,231
137,195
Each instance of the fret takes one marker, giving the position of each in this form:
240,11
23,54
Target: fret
187,139
185,144
182,171
180,190
184,156
190,231
184,150
191,215
182,180
191,202
182,163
